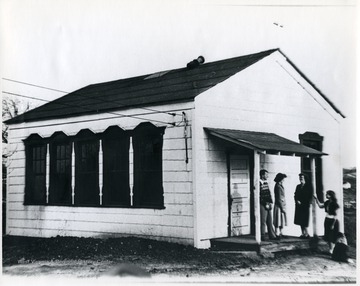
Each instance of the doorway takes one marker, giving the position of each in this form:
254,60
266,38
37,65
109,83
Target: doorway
239,195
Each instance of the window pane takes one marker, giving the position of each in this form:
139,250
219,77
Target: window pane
35,176
116,187
42,166
87,171
43,152
60,173
147,142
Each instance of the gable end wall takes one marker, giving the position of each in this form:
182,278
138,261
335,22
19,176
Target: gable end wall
264,98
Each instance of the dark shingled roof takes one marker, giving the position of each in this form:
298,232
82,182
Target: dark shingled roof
264,142
164,87
159,88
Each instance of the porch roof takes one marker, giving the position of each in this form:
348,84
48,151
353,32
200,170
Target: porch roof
268,143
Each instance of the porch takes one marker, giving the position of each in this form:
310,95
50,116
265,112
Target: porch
249,243
244,150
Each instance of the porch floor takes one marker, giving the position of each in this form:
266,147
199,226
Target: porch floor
248,243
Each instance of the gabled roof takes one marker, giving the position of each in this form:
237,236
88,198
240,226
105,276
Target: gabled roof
159,88
169,86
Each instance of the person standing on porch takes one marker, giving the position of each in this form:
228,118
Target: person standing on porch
266,206
303,198
280,205
331,224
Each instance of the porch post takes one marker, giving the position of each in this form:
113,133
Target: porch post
257,197
313,182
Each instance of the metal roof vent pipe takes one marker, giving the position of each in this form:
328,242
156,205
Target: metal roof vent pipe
195,63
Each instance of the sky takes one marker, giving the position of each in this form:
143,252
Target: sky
49,47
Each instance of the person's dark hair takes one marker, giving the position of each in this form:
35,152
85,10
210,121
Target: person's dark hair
279,177
304,175
332,195
262,172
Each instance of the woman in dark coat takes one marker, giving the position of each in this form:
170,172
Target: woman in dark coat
303,198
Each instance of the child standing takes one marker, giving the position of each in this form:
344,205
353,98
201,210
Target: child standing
331,224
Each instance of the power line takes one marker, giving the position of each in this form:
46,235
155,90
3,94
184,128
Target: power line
87,109
39,86
98,99
25,96
87,120
173,125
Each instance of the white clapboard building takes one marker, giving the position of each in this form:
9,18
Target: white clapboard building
173,155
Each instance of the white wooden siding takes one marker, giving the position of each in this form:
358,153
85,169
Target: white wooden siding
264,98
174,223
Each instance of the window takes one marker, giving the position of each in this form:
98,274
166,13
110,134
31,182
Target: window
35,182
78,183
60,169
116,186
86,169
147,145
315,141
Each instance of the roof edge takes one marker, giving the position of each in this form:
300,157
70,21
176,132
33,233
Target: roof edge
19,119
247,144
313,85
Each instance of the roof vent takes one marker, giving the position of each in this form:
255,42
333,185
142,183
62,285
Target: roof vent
195,63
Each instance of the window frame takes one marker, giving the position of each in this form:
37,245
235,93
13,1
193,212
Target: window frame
86,142
116,172
314,141
143,175
56,140
35,141
79,182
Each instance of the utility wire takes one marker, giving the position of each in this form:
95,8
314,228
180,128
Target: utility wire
98,99
39,86
25,96
82,121
87,109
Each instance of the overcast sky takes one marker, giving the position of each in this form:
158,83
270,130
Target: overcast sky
65,45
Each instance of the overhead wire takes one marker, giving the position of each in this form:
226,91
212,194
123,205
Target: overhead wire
98,99
90,120
118,115
25,96
30,84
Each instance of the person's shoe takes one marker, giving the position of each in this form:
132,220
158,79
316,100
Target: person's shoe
307,236
302,236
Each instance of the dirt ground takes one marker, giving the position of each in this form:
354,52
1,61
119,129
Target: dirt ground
66,257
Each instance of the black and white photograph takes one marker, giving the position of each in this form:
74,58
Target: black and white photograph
203,141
